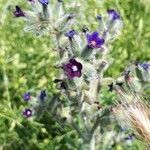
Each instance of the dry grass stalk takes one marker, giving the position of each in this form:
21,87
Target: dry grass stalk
135,113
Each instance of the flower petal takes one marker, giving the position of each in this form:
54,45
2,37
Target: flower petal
95,35
89,38
99,43
73,61
114,14
77,74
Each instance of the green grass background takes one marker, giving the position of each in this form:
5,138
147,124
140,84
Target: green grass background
26,62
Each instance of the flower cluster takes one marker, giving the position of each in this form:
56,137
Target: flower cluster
83,59
42,17
34,102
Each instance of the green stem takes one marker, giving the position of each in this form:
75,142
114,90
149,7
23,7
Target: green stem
92,143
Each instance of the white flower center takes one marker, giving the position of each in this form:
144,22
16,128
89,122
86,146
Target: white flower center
93,43
28,112
74,68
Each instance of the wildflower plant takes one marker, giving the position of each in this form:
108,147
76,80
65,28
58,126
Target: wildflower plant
83,60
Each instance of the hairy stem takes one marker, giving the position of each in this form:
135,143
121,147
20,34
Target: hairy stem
92,143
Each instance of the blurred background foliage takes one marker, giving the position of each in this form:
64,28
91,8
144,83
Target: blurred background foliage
27,62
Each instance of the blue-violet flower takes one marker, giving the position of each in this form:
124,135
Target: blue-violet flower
94,41
145,66
44,2
114,14
42,95
27,96
130,137
70,34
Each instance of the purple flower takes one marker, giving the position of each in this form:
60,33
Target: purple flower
99,17
31,1
130,137
42,95
71,16
145,66
70,34
114,14
27,96
73,69
94,41
18,12
27,112
44,2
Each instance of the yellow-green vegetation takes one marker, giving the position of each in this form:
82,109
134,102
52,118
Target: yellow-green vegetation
28,62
